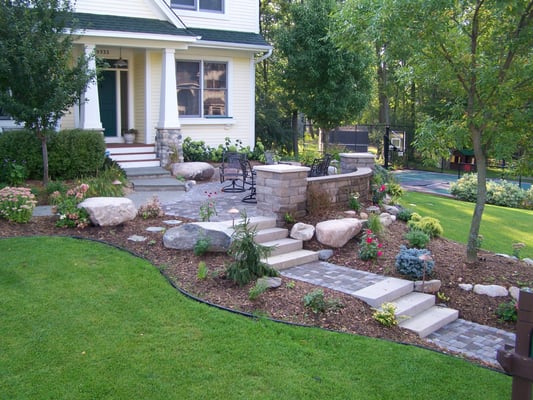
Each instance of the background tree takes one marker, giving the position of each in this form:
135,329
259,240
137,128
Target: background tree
473,60
329,85
39,77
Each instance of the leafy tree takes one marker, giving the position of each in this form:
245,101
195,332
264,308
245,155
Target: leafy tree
39,77
329,85
472,59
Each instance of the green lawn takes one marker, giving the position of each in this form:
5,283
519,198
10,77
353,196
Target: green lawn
500,226
82,320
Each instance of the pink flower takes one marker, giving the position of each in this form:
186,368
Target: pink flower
369,240
382,188
368,232
380,253
380,245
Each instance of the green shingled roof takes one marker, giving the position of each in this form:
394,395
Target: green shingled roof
154,26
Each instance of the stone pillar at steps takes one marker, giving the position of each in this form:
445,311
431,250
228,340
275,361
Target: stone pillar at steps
281,189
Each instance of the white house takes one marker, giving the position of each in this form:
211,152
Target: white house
170,67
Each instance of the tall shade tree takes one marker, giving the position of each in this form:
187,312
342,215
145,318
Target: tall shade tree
476,54
39,77
328,84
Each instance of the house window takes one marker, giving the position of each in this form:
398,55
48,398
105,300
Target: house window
199,5
202,88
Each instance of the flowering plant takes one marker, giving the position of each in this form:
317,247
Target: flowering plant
378,193
370,248
17,204
151,209
208,207
66,206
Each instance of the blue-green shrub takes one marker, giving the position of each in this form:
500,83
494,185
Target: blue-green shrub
75,153
408,262
501,193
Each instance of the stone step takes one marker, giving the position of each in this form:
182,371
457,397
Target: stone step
261,223
157,184
384,291
115,149
139,164
413,303
430,320
288,260
269,234
133,157
146,172
283,246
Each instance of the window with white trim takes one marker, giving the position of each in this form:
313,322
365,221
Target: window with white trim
199,5
202,88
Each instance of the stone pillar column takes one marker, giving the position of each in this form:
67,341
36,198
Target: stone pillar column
350,162
281,189
90,104
168,136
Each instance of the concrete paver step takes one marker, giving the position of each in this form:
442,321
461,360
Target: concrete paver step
430,320
139,164
413,303
161,184
282,246
287,260
384,291
146,173
270,234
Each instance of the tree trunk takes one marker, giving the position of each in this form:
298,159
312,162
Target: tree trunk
295,133
481,162
44,148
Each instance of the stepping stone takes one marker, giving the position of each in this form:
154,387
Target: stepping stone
137,238
155,229
172,222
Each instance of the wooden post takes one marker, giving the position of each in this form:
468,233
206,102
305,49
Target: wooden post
518,362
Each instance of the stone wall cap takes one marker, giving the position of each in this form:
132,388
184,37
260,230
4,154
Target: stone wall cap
357,155
361,171
281,168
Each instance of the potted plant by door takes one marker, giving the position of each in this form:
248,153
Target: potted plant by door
129,136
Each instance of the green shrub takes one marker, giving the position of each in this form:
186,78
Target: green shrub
507,311
429,225
353,201
22,146
75,154
201,246
408,262
56,186
404,214
257,290
13,173
196,150
316,301
109,182
386,315
417,238
247,255
374,224
203,271
502,193
17,204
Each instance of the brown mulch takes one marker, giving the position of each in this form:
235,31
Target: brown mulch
286,302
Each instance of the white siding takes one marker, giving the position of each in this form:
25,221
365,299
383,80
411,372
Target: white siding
130,8
239,15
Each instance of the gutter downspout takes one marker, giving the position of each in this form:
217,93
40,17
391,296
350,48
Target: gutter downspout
263,57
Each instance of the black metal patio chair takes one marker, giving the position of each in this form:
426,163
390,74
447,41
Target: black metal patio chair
320,166
231,170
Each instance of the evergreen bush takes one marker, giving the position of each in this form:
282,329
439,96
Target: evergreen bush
22,146
408,262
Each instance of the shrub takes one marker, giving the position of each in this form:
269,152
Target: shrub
374,224
257,290
17,204
109,182
417,238
429,225
404,214
196,150
75,154
353,201
316,301
508,311
152,209
370,248
23,146
465,188
247,255
13,173
66,206
203,271
408,262
386,315
201,246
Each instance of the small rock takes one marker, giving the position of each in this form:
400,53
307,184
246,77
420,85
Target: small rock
155,229
302,231
269,282
363,215
432,286
393,210
189,185
325,254
372,209
172,222
386,219
514,292
137,238
491,290
466,286
528,261
350,213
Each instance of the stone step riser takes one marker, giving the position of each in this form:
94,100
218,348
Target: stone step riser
270,234
130,149
133,157
283,246
413,304
284,261
139,164
261,224
385,291
430,320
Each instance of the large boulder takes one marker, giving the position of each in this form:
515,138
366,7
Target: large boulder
195,170
109,211
337,232
184,237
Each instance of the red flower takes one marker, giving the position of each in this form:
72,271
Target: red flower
380,253
382,188
369,240
380,245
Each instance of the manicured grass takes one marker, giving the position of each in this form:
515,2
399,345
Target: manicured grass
82,320
500,226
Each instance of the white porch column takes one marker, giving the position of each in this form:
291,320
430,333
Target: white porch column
168,108
168,137
90,105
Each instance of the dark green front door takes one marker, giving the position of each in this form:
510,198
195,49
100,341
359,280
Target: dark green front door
107,93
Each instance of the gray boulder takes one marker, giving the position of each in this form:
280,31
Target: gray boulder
302,231
195,170
109,211
185,236
491,290
431,286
